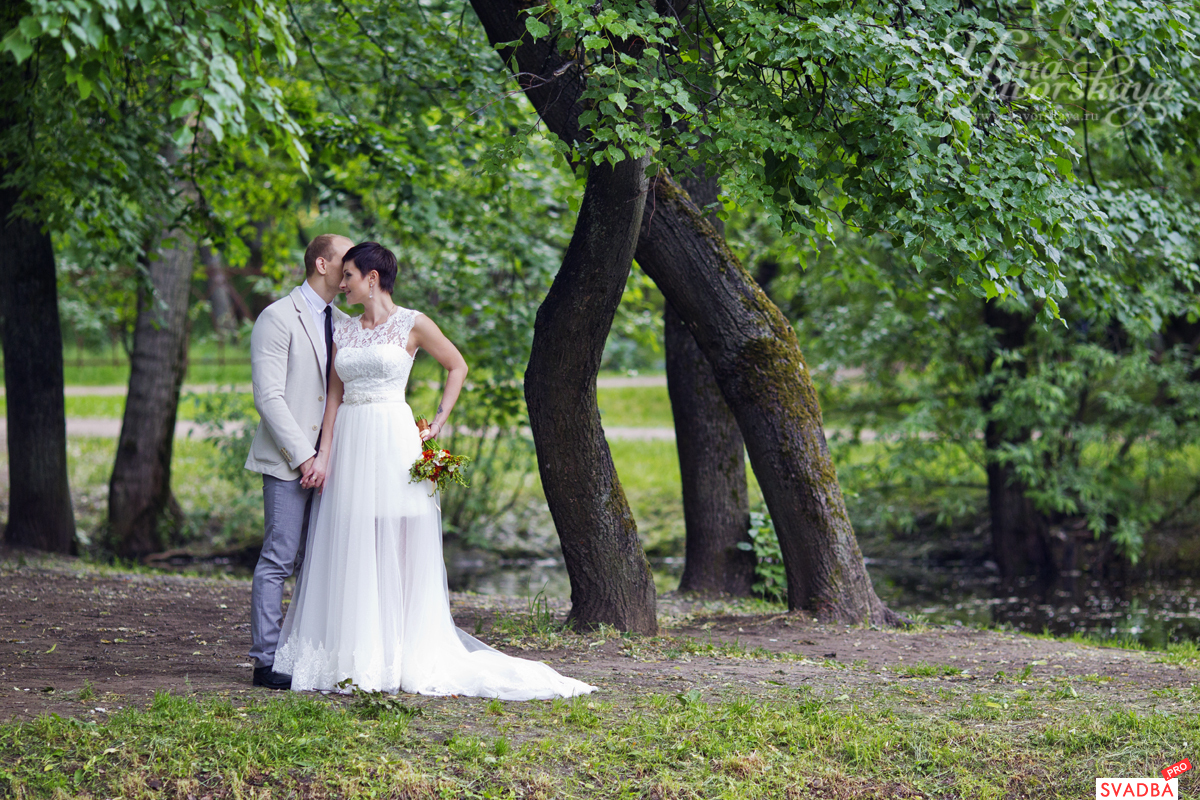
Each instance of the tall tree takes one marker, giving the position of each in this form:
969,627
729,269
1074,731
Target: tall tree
610,577
84,162
1068,437
39,505
712,453
753,351
40,514
143,514
1020,533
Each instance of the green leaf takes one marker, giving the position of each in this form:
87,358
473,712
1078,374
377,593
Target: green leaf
537,29
182,136
16,43
184,106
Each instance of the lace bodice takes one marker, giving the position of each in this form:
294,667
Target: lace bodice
374,364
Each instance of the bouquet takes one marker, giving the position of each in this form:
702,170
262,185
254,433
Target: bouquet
438,465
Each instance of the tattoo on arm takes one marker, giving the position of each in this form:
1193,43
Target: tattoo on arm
440,406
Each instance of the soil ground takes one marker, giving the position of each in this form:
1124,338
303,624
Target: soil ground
64,624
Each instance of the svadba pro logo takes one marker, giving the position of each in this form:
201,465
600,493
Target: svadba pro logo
1166,786
1150,788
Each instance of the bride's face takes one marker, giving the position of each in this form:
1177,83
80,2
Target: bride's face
356,286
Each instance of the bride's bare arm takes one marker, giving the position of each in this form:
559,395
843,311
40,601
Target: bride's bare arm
315,477
428,337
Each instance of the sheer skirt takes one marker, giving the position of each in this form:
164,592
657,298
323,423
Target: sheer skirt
371,603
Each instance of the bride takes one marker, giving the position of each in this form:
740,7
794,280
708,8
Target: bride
371,603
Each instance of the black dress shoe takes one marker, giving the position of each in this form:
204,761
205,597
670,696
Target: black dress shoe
268,677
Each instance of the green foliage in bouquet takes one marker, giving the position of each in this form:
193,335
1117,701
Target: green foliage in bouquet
438,465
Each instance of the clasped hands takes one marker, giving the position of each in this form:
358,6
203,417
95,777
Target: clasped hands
313,471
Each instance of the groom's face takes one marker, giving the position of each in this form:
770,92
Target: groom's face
333,265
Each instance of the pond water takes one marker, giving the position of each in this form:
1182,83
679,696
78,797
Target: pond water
1152,612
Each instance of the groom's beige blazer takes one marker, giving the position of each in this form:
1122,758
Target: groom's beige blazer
287,367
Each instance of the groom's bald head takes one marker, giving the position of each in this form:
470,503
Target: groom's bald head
329,246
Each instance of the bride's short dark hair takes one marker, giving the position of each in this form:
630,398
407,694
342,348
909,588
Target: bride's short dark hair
374,256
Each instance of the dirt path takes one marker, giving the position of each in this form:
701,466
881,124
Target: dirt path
64,624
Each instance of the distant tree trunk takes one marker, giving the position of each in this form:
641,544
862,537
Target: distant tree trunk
1020,533
220,296
712,455
143,514
39,497
40,515
610,577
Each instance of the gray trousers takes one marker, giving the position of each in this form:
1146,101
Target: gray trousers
285,529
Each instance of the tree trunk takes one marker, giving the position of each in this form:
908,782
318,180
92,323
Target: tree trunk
712,468
712,455
143,514
757,362
220,296
1020,533
610,577
752,349
39,497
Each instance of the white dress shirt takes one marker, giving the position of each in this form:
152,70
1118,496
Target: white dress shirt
316,304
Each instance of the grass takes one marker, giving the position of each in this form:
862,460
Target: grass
198,487
639,407
923,670
789,743
540,630
113,406
202,366
649,472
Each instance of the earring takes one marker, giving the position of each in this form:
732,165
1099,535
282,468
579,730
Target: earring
371,294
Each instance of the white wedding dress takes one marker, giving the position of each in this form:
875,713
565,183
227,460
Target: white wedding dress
371,602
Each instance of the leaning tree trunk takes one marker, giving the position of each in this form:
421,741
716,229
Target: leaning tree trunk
39,498
757,362
143,514
610,577
712,455
1020,533
752,349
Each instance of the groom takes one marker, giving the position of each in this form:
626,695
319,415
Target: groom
290,352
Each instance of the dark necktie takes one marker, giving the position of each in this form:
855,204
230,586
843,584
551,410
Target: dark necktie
328,344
